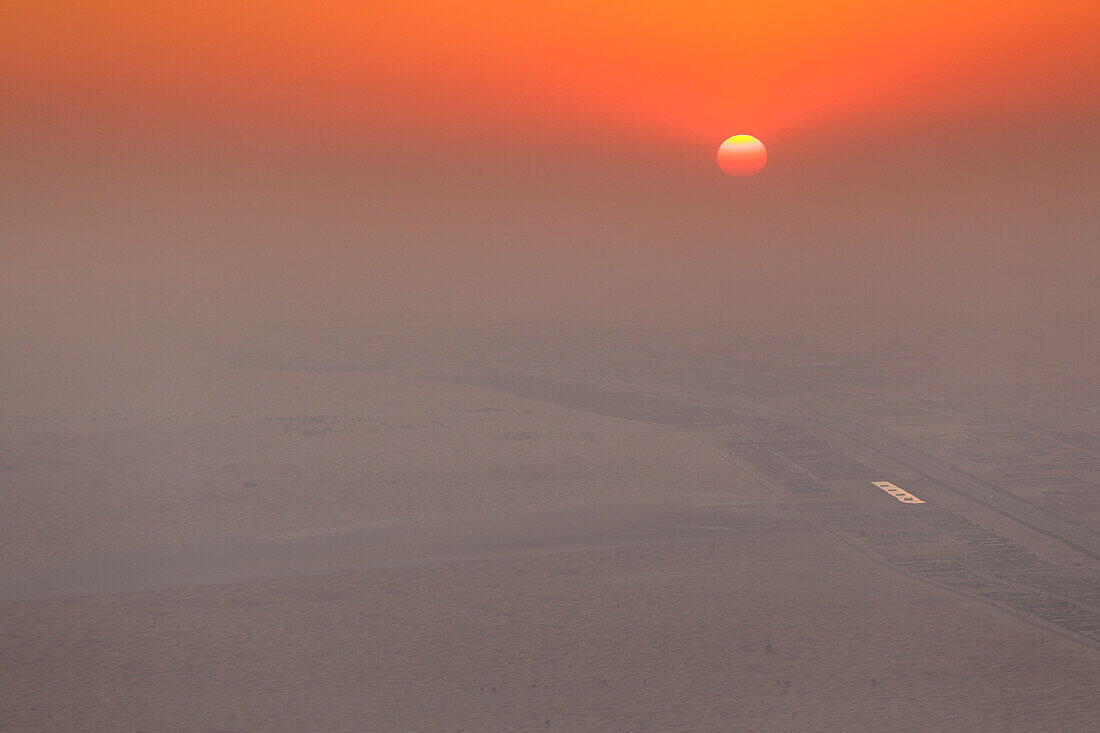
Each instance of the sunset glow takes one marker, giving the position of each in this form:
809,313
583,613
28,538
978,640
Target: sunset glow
561,70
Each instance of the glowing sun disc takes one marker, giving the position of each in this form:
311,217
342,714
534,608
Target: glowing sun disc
742,156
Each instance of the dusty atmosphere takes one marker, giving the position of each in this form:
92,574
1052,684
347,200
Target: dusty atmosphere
249,496
415,367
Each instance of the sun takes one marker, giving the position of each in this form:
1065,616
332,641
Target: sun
742,156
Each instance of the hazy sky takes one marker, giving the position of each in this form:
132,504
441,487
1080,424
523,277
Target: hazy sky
558,155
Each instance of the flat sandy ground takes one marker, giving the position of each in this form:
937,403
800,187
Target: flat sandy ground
200,546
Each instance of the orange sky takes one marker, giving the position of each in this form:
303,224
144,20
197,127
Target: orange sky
557,69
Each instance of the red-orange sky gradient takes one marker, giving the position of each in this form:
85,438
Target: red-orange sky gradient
502,156
555,70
